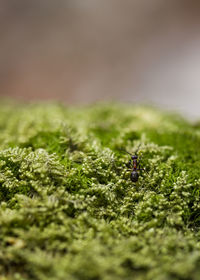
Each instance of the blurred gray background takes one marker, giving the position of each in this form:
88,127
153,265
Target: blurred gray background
83,51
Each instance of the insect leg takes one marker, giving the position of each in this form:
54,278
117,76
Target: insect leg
139,161
143,169
128,164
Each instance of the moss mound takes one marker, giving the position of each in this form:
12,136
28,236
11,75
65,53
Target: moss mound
69,209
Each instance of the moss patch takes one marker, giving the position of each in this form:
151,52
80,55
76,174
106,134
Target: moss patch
69,209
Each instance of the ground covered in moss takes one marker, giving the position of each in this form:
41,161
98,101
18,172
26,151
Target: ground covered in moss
68,209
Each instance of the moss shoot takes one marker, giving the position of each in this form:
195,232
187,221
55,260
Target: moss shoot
68,209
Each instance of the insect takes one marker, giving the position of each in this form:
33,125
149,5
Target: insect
134,163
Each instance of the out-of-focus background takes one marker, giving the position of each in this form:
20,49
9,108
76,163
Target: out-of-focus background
82,51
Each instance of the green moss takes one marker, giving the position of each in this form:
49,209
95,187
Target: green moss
69,209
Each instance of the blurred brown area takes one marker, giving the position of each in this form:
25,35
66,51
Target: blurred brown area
82,51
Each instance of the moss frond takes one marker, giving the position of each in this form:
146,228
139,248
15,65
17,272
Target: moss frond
68,209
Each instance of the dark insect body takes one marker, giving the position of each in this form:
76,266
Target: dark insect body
134,163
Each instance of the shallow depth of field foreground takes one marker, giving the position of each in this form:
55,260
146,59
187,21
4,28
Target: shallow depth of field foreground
69,209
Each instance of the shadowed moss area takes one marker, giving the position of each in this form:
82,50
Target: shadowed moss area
69,209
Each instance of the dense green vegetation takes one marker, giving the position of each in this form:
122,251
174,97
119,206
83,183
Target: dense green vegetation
68,209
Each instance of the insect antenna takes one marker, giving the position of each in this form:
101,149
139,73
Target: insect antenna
124,151
136,152
137,149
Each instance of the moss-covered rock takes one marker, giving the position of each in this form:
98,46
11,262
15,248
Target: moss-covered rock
69,209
